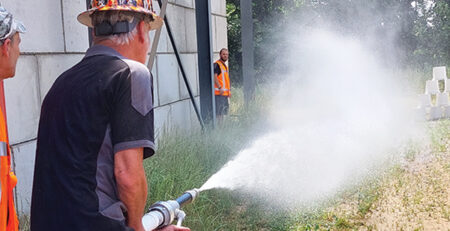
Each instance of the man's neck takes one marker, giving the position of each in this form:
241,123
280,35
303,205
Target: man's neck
125,50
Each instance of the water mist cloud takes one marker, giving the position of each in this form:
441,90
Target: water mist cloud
336,113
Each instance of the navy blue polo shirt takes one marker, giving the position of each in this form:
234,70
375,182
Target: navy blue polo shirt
97,108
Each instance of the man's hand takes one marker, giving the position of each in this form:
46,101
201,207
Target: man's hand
174,228
221,91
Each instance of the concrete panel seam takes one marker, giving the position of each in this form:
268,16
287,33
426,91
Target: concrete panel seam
179,5
23,142
176,101
219,15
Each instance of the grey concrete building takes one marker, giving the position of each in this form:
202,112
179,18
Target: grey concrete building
55,41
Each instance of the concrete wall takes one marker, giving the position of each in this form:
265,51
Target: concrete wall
55,41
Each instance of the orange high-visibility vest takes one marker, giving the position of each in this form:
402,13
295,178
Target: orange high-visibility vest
223,79
8,216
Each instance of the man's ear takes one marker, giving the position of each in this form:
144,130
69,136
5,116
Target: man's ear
5,47
142,31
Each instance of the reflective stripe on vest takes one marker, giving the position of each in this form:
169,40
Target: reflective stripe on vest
8,216
3,149
224,76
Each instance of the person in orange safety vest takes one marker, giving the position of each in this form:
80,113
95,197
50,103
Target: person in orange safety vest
9,53
222,85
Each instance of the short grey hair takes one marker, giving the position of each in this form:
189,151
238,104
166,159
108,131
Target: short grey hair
114,16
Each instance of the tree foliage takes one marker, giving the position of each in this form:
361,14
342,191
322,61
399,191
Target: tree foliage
418,29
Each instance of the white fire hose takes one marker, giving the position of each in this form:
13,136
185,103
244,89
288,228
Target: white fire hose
163,213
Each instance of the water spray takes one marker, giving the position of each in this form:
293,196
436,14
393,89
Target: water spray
163,213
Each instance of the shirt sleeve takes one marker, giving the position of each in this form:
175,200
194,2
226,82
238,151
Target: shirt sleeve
217,69
132,114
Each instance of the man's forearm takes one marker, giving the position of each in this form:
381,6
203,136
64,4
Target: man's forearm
216,81
131,185
134,198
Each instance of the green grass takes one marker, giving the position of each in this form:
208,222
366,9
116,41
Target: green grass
186,159
24,223
440,131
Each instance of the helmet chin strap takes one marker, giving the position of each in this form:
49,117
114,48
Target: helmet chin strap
105,28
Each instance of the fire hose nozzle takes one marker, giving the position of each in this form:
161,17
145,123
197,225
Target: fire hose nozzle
188,196
163,213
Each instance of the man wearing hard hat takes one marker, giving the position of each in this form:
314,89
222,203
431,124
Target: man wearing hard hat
9,53
96,127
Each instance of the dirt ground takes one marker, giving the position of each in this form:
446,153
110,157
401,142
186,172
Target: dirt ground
415,197
418,199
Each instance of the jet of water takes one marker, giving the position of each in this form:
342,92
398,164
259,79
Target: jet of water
337,113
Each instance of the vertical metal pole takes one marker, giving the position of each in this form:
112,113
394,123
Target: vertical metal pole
162,14
247,50
180,65
205,60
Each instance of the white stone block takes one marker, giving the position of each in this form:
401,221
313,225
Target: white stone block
214,33
191,31
161,42
442,99
43,20
447,85
218,7
75,33
164,45
181,115
156,6
190,67
221,30
51,66
447,112
194,119
23,156
223,7
176,18
168,85
22,101
425,100
162,117
439,73
432,87
216,56
436,113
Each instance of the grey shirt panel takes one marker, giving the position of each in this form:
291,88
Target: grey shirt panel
141,96
109,203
